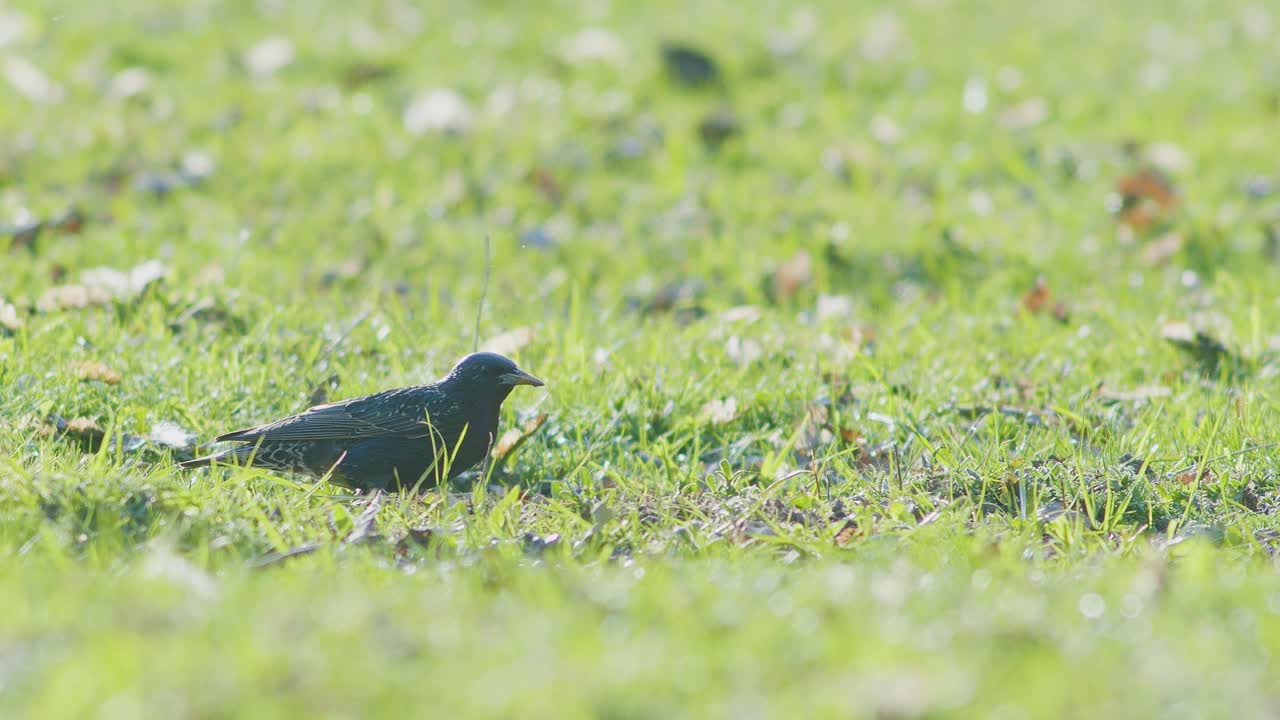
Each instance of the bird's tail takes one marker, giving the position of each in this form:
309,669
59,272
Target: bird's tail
224,456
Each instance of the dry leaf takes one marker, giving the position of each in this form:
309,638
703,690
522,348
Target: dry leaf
440,110
94,370
31,82
1159,250
515,437
102,285
83,431
743,351
9,319
268,56
1145,197
1026,114
593,45
1039,299
792,275
1189,477
719,412
848,533
1142,392
509,342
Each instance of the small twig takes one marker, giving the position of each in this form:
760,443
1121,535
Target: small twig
484,293
1220,458
278,557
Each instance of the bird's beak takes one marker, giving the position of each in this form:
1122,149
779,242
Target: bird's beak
520,377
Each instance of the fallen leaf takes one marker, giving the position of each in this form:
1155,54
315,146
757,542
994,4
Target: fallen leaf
363,73
1161,249
1037,298
848,533
440,110
743,351
99,286
850,435
720,412
1146,196
593,45
509,342
1024,115
792,275
745,314
546,184
9,319
512,439
129,82
833,306
1191,476
31,82
689,66
673,295
1249,497
1142,392
269,56
92,370
171,435
70,222
83,431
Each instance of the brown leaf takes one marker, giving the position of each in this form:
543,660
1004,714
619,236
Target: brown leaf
1037,298
1161,249
848,533
83,431
512,439
94,370
720,412
1189,478
792,275
510,342
362,73
70,222
1146,196
546,184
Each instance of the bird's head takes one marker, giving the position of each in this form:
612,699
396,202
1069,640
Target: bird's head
490,373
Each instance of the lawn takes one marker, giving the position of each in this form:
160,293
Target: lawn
903,359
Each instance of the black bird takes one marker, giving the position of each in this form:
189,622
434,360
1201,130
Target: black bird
411,437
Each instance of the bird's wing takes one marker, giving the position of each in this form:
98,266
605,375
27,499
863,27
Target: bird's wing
411,412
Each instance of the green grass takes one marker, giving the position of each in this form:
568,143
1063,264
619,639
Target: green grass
925,500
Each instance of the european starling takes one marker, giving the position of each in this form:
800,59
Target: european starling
411,437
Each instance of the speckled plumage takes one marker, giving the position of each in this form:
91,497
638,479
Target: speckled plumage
410,437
